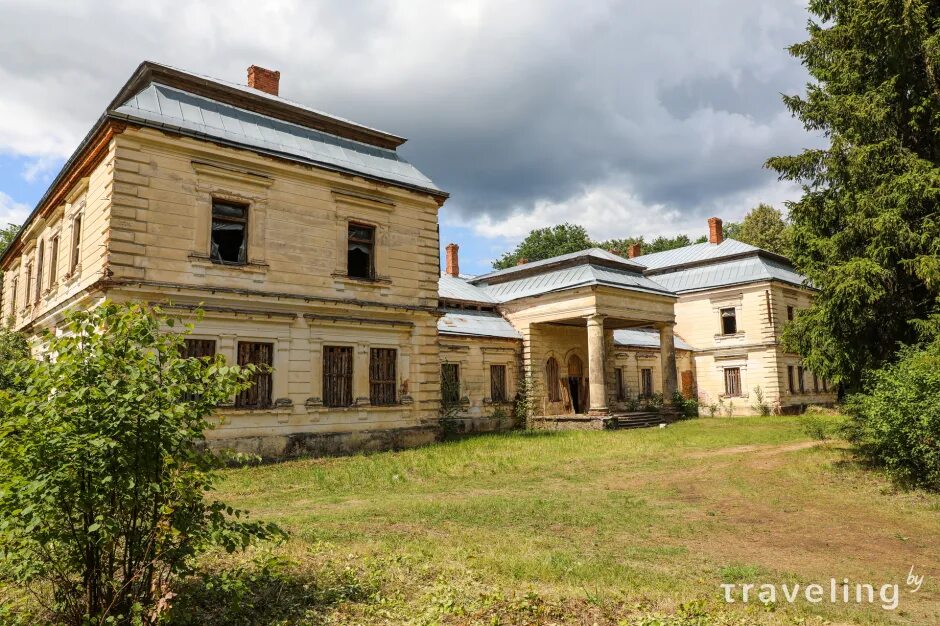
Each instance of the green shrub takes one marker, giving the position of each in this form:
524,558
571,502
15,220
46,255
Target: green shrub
760,406
688,407
896,419
104,483
817,426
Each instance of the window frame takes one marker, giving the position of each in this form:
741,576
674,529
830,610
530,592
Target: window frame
553,381
350,240
791,384
40,260
335,369
383,391
732,376
244,221
53,260
14,287
646,382
76,252
620,386
499,393
262,378
455,400
791,313
800,375
733,317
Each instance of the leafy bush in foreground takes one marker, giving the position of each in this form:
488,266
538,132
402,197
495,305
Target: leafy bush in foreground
102,475
896,420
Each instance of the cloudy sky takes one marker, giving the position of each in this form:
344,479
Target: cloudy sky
629,117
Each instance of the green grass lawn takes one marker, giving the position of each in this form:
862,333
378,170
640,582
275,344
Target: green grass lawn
581,527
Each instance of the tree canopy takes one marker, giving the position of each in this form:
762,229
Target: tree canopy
866,231
7,234
763,227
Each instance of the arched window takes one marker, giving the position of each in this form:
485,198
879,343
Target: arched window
554,385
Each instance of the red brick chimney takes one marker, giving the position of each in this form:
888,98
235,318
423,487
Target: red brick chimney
715,234
263,80
635,250
453,263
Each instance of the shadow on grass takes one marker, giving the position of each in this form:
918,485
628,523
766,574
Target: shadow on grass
263,593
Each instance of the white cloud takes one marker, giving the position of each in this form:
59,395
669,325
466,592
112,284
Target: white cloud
11,212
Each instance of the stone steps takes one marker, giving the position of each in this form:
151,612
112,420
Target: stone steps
644,419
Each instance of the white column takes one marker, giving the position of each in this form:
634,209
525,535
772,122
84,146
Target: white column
667,357
596,359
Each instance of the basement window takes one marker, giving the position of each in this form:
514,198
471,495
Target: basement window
360,256
729,321
229,233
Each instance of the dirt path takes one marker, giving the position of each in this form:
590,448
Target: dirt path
760,450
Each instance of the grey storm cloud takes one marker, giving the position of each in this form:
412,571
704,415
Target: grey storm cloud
504,104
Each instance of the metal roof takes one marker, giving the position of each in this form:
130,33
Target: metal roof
742,270
694,253
161,106
645,338
570,278
476,324
590,253
453,288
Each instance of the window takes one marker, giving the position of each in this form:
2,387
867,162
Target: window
337,376
554,383
498,383
76,244
790,313
825,385
815,382
732,381
199,348
383,379
229,233
53,260
621,391
790,384
729,322
646,381
40,259
799,379
14,287
360,261
450,384
258,396
29,282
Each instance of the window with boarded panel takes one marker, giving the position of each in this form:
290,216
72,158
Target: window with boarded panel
258,396
732,381
646,381
383,378
450,383
498,383
554,383
621,389
199,348
337,376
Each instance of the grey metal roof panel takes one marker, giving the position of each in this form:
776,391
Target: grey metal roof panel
452,288
745,270
570,278
167,107
589,253
697,252
645,338
476,324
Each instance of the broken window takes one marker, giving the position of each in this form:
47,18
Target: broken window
646,381
729,322
450,384
383,379
732,381
337,376
258,396
554,383
498,383
360,261
229,233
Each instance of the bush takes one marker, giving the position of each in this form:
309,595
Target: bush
103,475
896,419
761,406
817,426
688,407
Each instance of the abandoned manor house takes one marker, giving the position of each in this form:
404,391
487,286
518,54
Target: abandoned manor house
312,247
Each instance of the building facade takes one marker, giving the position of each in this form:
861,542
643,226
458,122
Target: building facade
311,247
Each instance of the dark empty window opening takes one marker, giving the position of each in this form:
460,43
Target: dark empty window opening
729,322
621,389
790,313
229,233
790,384
360,258
799,379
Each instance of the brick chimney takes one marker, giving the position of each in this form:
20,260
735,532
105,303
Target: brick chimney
453,263
263,79
715,234
635,250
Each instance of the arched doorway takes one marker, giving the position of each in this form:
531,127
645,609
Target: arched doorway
576,384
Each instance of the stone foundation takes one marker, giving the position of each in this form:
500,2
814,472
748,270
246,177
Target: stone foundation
572,422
